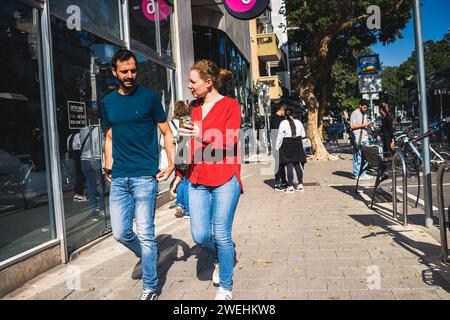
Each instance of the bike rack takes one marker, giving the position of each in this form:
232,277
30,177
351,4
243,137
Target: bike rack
442,221
399,155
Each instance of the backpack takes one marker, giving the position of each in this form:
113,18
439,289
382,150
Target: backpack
181,164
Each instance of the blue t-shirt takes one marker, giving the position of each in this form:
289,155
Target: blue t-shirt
133,119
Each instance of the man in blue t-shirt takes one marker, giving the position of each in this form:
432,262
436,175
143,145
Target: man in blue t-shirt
131,117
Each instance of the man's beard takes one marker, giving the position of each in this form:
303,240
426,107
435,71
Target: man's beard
124,85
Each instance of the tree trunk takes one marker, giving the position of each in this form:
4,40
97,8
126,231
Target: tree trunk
308,95
322,105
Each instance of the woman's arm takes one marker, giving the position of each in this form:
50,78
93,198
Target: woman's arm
281,134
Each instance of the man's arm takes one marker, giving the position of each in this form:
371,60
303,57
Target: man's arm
169,147
108,153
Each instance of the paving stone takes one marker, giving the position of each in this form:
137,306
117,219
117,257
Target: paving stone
372,295
329,295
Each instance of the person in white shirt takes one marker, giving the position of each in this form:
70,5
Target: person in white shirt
73,147
292,154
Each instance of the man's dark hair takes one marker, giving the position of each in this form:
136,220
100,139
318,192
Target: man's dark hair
280,106
122,55
363,102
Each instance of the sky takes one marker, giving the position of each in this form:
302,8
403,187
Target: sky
435,24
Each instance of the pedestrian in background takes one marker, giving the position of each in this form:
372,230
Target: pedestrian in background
91,165
359,125
280,172
74,150
290,146
387,129
214,172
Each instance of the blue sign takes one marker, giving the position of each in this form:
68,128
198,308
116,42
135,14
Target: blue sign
369,64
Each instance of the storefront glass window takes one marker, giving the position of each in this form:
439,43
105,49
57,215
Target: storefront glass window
142,15
103,14
160,80
165,17
82,78
26,219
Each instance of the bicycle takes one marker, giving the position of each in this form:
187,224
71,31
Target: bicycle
411,146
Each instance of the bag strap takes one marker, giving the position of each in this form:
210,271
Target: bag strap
70,142
85,139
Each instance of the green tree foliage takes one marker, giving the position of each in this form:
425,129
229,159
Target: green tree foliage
328,30
400,83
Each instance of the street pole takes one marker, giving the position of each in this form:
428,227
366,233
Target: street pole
423,114
371,106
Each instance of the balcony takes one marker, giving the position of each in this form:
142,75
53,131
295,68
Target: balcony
274,83
268,47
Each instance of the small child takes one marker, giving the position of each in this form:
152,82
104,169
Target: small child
180,185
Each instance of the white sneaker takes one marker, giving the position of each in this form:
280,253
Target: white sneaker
223,294
300,187
215,276
366,177
290,189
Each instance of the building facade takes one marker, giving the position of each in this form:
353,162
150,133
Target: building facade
57,55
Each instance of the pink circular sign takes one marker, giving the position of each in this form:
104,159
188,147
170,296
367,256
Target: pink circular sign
149,9
241,5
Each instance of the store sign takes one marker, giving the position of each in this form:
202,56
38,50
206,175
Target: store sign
149,10
369,64
245,9
77,114
370,83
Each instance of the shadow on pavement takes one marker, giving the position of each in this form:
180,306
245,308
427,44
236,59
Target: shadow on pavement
437,272
344,174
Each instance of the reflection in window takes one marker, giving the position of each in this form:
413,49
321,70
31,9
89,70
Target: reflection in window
165,14
157,78
228,56
142,22
24,211
104,14
82,78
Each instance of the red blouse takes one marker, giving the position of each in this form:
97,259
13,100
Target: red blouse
216,158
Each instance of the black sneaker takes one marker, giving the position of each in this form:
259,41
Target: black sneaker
280,188
148,294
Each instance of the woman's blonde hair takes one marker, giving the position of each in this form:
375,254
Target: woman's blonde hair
209,70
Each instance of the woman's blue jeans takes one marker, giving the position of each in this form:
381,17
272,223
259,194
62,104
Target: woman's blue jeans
136,197
212,212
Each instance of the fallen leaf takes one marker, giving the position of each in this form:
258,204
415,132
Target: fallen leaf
90,289
285,297
334,298
296,270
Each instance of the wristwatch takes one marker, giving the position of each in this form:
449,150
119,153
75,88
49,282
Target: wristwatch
107,171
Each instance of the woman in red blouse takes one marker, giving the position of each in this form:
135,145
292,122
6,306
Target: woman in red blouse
214,173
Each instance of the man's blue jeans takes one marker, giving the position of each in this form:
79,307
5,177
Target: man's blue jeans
357,159
92,171
136,197
212,210
183,195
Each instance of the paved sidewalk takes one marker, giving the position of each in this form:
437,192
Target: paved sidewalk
324,243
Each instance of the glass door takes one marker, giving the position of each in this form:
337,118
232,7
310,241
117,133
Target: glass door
82,78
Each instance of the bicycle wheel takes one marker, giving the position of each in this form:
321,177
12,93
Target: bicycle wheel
436,160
